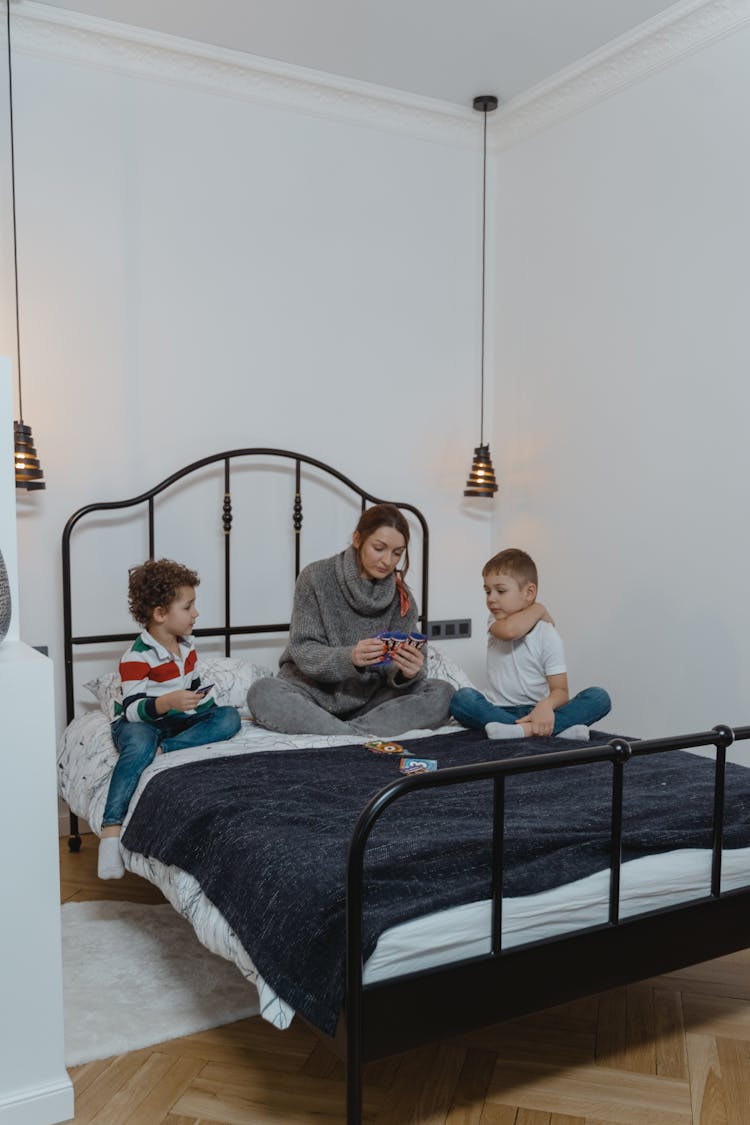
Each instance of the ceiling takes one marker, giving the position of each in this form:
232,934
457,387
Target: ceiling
444,49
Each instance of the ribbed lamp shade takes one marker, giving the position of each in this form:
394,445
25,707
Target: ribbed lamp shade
481,480
29,473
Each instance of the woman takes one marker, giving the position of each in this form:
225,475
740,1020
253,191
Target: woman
329,682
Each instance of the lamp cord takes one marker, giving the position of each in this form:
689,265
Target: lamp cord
484,241
13,205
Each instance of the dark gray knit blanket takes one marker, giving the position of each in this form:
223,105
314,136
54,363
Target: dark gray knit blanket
266,837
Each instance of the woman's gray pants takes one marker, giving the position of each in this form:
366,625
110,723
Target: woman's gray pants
285,706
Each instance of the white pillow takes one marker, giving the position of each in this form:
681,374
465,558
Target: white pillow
441,667
233,675
230,675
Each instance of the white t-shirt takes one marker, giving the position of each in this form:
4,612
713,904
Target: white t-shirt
517,670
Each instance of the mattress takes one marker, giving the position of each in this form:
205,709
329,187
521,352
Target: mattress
85,761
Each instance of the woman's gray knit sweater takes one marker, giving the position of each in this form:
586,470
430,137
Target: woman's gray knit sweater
334,607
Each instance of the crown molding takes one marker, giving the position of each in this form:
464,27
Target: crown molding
683,28
41,29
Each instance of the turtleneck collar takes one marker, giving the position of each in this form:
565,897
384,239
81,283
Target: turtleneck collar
366,596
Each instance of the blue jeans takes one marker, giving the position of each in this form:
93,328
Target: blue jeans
137,744
472,709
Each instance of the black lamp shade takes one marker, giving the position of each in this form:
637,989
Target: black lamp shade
29,473
481,480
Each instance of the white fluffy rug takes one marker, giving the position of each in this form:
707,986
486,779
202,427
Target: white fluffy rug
136,975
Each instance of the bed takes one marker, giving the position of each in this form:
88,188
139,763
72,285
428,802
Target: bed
356,896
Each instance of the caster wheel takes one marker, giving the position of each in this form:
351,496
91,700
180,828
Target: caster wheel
74,843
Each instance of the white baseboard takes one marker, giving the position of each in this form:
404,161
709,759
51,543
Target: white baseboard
42,1105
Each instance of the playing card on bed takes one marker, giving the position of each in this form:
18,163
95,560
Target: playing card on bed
379,746
417,765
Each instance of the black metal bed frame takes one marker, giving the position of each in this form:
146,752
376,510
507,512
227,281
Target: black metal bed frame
407,1011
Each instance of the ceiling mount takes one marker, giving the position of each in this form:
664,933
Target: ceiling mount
485,103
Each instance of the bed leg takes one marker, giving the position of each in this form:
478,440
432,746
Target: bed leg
353,1090
354,1062
74,840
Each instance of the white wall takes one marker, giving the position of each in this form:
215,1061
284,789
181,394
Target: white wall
201,272
622,392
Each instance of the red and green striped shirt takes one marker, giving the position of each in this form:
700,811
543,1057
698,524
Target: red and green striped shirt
148,670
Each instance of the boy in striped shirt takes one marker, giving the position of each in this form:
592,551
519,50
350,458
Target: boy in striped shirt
164,707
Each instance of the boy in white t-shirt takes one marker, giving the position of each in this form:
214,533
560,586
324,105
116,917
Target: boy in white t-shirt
528,682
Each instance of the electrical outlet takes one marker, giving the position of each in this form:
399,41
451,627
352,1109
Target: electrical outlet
448,630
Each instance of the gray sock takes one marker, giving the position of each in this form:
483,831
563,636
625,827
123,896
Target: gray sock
580,732
504,730
109,863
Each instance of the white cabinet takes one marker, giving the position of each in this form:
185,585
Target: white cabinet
34,1086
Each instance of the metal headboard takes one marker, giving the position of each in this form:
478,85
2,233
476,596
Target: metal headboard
227,630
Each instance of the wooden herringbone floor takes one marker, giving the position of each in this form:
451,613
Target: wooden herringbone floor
672,1051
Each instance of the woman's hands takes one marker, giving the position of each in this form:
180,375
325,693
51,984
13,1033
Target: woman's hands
407,659
367,652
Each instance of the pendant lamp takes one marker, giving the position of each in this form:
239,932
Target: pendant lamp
481,480
29,474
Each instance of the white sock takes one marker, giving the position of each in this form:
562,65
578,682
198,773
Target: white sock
504,730
110,865
580,731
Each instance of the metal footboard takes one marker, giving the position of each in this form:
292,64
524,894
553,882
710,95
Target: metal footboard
405,1012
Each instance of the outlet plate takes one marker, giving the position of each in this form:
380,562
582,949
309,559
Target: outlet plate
458,627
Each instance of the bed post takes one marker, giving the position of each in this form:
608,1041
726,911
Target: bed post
353,1002
297,516
226,523
74,838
